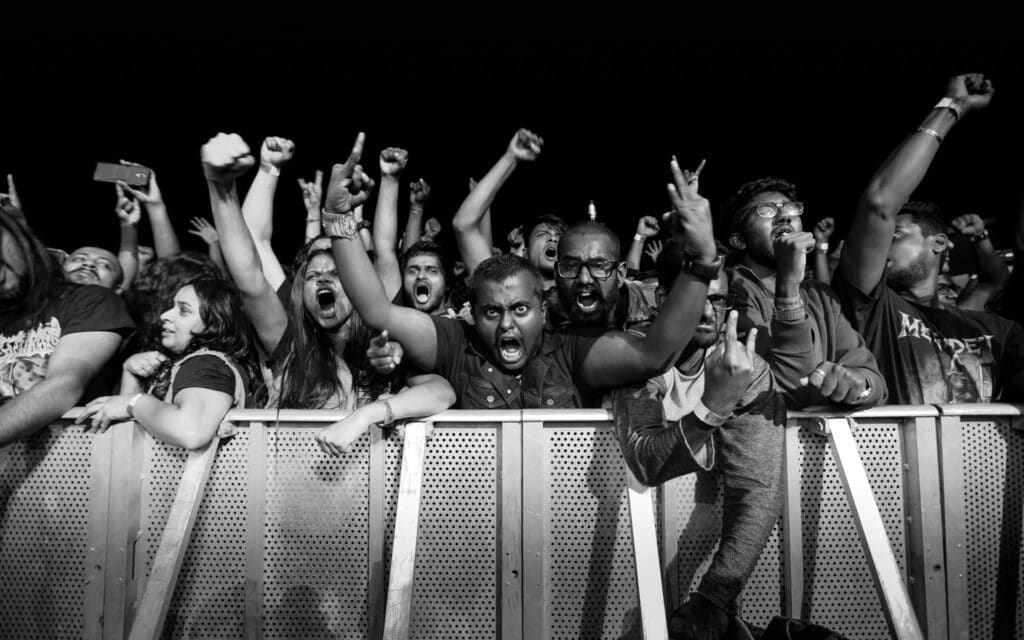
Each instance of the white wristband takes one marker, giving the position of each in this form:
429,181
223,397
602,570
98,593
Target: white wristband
707,416
271,169
131,404
822,246
638,238
949,103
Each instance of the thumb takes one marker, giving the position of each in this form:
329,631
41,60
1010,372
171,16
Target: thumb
382,339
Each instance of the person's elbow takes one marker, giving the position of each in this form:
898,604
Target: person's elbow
195,438
879,201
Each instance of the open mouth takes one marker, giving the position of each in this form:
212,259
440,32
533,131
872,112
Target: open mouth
421,292
551,252
782,231
511,349
587,301
325,298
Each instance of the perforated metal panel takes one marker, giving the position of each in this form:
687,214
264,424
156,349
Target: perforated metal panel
44,499
455,584
838,589
589,571
994,457
317,527
208,597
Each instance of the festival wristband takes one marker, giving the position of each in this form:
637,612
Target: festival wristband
707,416
339,225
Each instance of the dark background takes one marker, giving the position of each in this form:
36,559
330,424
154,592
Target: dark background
820,112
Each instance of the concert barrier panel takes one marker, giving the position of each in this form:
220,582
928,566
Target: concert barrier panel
898,522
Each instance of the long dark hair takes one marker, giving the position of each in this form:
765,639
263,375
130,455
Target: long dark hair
220,309
310,369
42,277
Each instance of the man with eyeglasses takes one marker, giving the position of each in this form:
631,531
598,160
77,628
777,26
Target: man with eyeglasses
717,409
814,352
888,276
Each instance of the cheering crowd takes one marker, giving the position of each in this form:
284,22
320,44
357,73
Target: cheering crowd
698,356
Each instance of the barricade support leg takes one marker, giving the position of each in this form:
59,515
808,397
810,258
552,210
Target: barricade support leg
645,556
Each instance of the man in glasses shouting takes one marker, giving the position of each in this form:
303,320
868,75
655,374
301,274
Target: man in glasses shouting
815,353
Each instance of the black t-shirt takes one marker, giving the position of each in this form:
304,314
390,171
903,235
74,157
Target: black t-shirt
206,372
935,355
25,353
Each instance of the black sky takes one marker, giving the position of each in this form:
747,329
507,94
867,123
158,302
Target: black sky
822,113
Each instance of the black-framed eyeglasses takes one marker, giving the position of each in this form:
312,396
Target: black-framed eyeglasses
599,269
774,209
722,302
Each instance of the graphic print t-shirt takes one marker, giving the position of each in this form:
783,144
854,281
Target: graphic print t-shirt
934,355
25,354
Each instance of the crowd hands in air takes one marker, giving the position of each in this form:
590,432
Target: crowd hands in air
698,355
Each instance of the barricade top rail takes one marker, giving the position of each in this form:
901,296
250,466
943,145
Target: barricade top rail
492,416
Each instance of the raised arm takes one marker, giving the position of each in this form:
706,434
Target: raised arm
312,192
128,214
473,245
258,208
426,395
619,358
992,271
822,232
10,202
75,360
206,231
385,220
646,228
165,240
412,329
867,246
225,157
419,193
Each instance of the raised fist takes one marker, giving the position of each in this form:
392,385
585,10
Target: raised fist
791,255
393,161
419,191
431,228
225,157
823,229
276,151
971,91
969,224
648,226
515,237
525,145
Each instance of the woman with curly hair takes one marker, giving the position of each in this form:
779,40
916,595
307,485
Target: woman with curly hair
203,367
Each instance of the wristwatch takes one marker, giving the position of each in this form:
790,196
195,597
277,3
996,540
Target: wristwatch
703,270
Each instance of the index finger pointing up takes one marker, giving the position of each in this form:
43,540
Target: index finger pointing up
356,154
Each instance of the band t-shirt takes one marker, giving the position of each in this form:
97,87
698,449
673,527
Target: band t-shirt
935,355
25,352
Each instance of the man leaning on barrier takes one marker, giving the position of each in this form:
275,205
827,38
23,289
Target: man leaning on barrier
718,407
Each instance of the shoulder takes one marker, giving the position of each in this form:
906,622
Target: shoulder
86,307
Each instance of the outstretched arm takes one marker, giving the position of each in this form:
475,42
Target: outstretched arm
822,232
619,358
867,246
165,240
128,213
419,192
225,157
414,330
385,220
473,245
258,208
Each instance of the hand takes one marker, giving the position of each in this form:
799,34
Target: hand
459,269
466,313
837,383
144,364
419,191
971,91
312,192
653,250
104,411
525,145
431,229
823,229
343,195
698,619
384,355
276,152
791,256
225,157
151,196
648,227
969,224
515,237
728,369
127,209
393,161
202,228
691,216
337,439
10,199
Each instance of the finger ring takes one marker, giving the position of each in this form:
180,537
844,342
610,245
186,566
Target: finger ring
819,372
